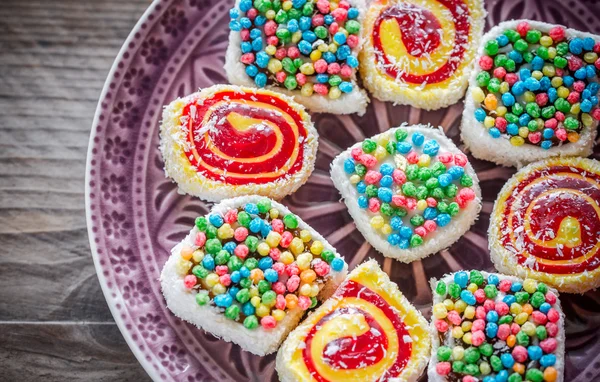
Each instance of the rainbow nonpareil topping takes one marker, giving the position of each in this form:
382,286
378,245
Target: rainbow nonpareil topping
302,45
256,264
367,331
409,185
494,328
538,87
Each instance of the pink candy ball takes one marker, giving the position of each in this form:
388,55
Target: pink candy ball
511,78
399,177
279,268
320,66
550,298
445,158
478,338
352,41
339,14
346,71
399,200
541,99
334,68
486,63
225,280
318,20
479,293
200,239
280,53
304,302
323,6
523,28
277,225
551,123
539,318
372,177
321,268
430,225
367,159
293,283
274,253
292,269
412,157
356,153
519,353
280,301
460,160
443,368
268,322
454,317
552,329
240,233
189,281
221,270
502,308
478,325
247,58
321,88
441,326
286,239
503,331
504,285
561,134
293,52
230,216
553,315
280,76
374,204
241,251
548,345
270,28
557,33
272,40
499,72
421,231
535,137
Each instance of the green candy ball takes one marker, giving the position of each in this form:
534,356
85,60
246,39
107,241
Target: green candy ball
201,223
200,272
472,355
401,135
444,353
233,312
251,242
369,145
243,295
264,205
244,219
213,246
441,288
251,322
290,221
202,298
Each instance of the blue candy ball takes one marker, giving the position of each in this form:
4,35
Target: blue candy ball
208,262
352,61
349,165
535,352
245,22
234,13
363,202
396,223
361,187
418,139
491,329
442,220
508,99
480,115
456,172
245,5
545,308
431,147
548,360
256,225
494,132
385,194
512,129
524,74
580,74
405,232
230,246
352,13
305,47
509,299
507,360
248,309
468,297
271,275
515,287
430,213
537,63
546,144
493,279
233,291
265,263
568,81
386,169
251,70
223,300
515,56
322,78
246,47
244,272
445,180
548,133
588,43
386,181
393,239
260,21
403,244
576,45
251,208
340,38
492,316
403,147
329,57
518,88
235,277
461,278
309,36
305,23
532,84
337,264
345,87
502,40
235,26
216,220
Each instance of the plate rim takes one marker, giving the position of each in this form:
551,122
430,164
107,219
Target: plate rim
137,352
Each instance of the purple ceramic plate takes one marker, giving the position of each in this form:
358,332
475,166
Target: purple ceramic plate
135,215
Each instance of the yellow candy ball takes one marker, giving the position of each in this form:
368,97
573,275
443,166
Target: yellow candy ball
551,52
262,310
530,285
546,41
517,141
460,306
380,153
501,111
333,48
278,314
467,338
305,290
273,213
274,65
263,249
255,301
537,75
421,205
286,257
211,280
273,239
590,57
556,82
355,179
529,96
386,229
489,122
523,131
504,87
316,248
225,232
440,311
424,160
219,289
270,14
478,95
562,92
254,292
297,246
466,326
307,68
287,5
198,255
314,290
528,328
377,221
449,304
521,318
334,92
515,308
303,260
307,89
549,70
469,312
186,252
323,48
472,287
183,266
457,332
271,50
485,368
586,119
296,37
315,55
305,236
458,353
575,108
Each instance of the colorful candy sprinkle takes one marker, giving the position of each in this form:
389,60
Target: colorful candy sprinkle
302,45
536,87
255,264
500,329
409,185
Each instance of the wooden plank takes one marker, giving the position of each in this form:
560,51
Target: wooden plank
54,322
66,352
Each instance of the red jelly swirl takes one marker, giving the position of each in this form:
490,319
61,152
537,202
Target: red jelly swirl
370,348
554,217
420,34
244,138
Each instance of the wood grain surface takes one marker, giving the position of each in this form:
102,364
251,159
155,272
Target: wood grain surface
54,322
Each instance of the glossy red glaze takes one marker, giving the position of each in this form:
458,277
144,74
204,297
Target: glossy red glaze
352,351
553,208
251,143
419,28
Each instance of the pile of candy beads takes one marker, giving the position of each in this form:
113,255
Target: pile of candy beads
256,264
409,187
536,87
496,329
299,44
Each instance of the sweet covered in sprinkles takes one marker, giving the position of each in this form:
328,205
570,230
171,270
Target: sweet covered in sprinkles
367,331
410,191
546,224
420,52
254,264
227,141
494,328
308,48
535,87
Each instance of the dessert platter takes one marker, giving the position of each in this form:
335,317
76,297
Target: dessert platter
295,190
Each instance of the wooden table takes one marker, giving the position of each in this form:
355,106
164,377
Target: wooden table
54,58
